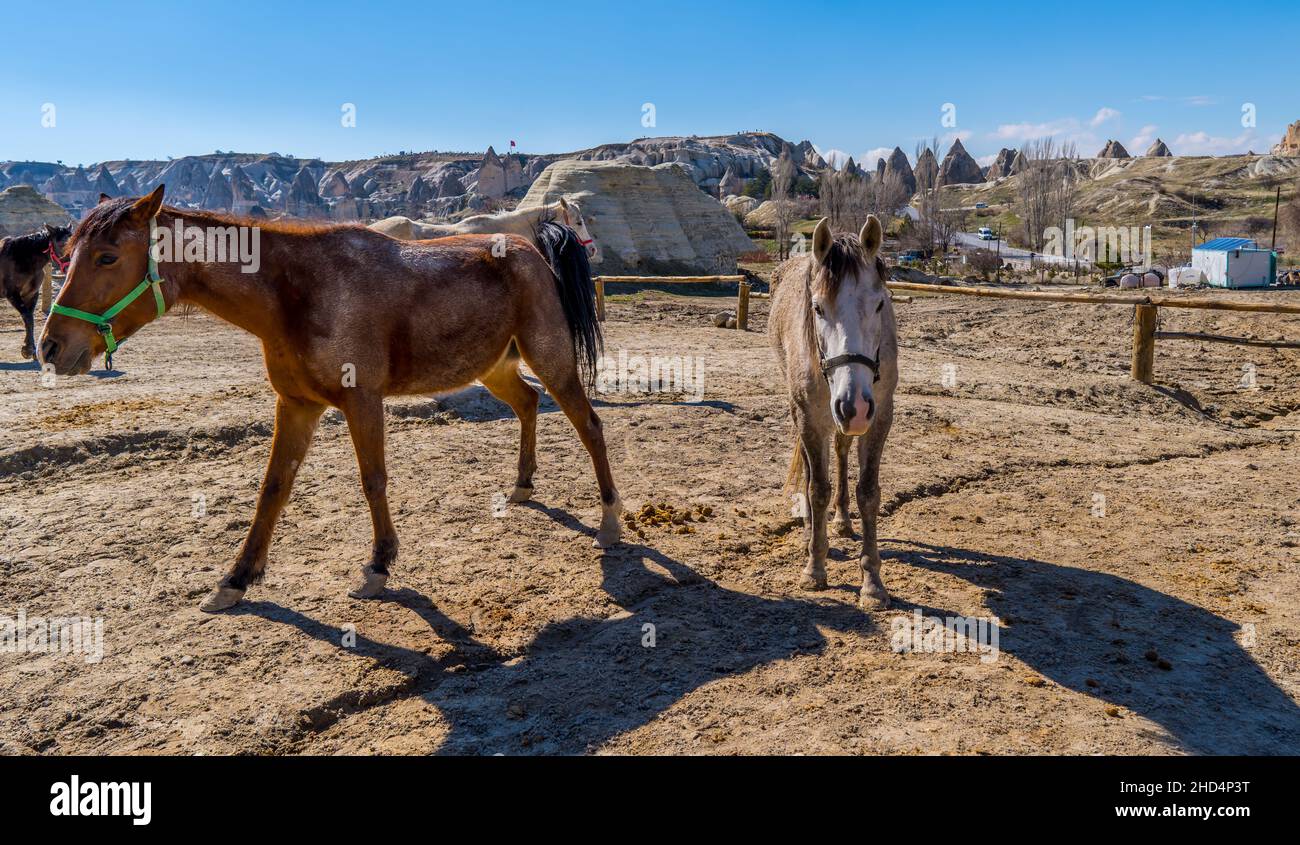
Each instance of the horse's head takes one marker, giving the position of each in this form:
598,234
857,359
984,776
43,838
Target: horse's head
58,236
850,309
570,214
109,258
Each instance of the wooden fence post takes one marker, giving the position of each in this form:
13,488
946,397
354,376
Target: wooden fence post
600,299
47,289
1144,342
742,306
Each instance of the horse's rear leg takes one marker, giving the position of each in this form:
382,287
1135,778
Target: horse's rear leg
843,523
294,425
559,373
505,383
365,415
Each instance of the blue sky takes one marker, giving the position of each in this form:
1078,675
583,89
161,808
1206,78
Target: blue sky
178,79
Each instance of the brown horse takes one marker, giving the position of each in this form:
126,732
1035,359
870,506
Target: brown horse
22,269
832,327
346,317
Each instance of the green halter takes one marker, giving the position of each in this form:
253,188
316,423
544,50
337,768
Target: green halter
104,322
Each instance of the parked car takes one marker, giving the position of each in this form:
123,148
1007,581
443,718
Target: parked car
981,205
911,255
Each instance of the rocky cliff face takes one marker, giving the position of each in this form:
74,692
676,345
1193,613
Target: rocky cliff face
959,168
1001,166
1158,149
23,210
417,185
1290,143
898,165
648,220
1113,149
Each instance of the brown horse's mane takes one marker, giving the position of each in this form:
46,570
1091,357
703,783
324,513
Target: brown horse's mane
104,217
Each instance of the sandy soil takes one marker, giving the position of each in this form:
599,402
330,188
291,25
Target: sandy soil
1166,625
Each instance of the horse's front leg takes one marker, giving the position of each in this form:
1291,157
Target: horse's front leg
843,523
365,416
870,448
817,491
295,423
28,311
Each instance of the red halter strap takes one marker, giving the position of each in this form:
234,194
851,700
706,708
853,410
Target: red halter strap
58,262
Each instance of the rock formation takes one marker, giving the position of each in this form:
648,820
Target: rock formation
23,210
1290,143
898,165
1113,149
647,219
104,183
958,167
219,196
927,168
1158,149
1001,166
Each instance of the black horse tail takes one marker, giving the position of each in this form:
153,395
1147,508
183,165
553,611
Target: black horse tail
562,250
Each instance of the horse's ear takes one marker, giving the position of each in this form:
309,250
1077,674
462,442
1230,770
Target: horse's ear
870,237
146,208
822,240
103,198
564,203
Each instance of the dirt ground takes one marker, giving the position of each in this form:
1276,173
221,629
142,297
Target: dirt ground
1139,546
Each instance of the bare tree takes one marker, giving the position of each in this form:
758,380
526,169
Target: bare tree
783,176
844,198
1047,186
886,194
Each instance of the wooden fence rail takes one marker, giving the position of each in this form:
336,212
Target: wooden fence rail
1145,311
742,290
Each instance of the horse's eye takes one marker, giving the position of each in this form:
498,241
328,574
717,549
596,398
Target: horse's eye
106,260
818,309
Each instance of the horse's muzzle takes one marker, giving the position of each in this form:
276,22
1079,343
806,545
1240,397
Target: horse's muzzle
66,362
853,413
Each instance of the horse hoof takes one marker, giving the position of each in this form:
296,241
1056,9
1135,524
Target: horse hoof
521,494
607,537
873,598
28,353
221,598
372,584
843,529
812,581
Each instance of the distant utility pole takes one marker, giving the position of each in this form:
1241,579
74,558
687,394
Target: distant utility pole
1276,202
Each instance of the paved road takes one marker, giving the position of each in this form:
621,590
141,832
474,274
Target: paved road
970,240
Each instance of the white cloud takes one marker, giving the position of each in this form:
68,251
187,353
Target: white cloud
985,161
1103,114
870,157
1203,143
1143,139
1031,131
835,158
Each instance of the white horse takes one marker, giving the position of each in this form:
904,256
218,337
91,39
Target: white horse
521,221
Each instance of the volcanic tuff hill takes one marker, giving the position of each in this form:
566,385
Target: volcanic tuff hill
435,184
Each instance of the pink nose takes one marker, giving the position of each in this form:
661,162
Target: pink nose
854,413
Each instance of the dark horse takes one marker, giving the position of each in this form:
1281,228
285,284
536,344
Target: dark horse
346,317
22,267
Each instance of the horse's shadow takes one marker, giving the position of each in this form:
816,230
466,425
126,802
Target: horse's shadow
1172,662
583,681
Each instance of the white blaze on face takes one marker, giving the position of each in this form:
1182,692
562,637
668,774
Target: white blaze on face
852,324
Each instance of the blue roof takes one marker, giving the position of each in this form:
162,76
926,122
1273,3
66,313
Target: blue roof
1227,244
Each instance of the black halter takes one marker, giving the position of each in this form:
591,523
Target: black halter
828,364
